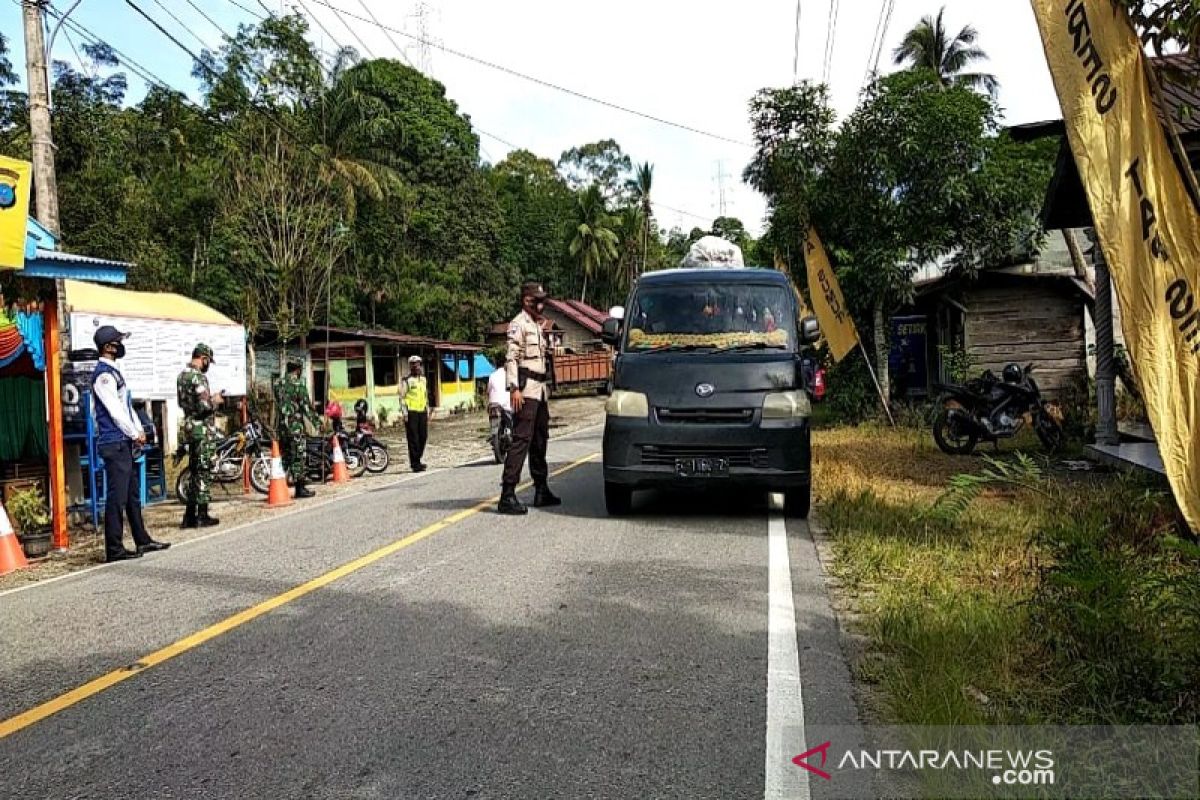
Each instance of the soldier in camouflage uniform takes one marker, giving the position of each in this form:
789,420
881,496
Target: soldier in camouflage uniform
199,407
292,409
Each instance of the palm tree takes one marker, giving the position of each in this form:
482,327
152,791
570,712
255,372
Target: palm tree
631,227
342,127
642,184
593,244
929,46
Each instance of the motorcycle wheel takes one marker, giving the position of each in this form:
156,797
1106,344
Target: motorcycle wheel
1049,431
181,483
949,438
497,449
356,462
378,459
260,475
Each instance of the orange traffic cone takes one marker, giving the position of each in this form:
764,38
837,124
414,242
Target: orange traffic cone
340,473
278,494
12,557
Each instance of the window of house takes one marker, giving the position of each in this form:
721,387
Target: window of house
446,371
356,373
384,370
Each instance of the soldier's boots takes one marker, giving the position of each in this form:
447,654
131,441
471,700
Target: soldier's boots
509,504
189,517
302,490
203,520
544,498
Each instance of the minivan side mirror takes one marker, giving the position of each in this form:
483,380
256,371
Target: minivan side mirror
810,330
617,312
610,331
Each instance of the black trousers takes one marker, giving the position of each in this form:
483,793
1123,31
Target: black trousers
416,427
124,497
530,435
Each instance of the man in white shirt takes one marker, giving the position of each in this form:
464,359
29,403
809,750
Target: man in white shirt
119,437
499,401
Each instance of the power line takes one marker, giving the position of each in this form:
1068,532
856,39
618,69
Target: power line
887,23
338,13
211,21
541,82
181,23
796,45
831,39
320,25
883,5
386,32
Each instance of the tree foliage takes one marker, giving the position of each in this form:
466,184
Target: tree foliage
930,46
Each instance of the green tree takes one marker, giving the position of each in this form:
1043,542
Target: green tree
929,46
593,243
536,206
643,185
1167,24
603,163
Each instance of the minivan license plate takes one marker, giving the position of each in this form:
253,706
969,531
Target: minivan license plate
701,467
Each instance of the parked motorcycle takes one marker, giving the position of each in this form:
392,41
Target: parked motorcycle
230,460
502,431
318,460
990,409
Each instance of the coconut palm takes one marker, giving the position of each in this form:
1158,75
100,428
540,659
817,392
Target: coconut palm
593,243
642,184
631,232
929,46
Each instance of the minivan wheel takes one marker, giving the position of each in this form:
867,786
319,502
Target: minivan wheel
796,501
618,499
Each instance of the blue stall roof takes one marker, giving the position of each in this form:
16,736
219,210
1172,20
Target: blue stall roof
43,259
483,367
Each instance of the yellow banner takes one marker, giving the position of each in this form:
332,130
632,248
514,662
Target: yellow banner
15,182
836,325
1146,223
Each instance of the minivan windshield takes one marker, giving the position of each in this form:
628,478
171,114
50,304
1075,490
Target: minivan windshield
708,317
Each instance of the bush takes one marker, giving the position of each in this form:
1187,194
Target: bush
851,392
29,509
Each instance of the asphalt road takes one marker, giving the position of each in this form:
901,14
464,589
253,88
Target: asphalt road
563,655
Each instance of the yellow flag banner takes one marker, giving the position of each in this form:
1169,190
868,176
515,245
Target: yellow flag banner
836,325
14,211
1142,212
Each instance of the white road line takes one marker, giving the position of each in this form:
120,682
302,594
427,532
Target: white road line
785,701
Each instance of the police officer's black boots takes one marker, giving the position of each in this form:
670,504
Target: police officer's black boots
204,520
302,490
544,498
509,504
189,517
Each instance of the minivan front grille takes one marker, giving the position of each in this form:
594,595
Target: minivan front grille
737,456
706,416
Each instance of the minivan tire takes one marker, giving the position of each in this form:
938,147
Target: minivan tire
618,499
796,502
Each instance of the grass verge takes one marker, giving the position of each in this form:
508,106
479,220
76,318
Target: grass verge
1068,602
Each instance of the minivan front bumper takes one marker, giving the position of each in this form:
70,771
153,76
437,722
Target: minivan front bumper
770,455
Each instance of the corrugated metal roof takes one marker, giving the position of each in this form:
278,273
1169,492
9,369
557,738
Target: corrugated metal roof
1180,78
72,258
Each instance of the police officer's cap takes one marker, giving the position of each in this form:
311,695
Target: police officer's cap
533,289
203,351
107,334
414,359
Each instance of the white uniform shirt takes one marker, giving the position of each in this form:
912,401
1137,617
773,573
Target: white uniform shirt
118,403
498,394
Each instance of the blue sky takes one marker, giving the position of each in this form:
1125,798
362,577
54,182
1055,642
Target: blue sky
696,62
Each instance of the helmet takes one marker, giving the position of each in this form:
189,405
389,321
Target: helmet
414,359
1013,374
360,406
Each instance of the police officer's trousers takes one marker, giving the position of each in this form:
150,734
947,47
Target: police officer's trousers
530,435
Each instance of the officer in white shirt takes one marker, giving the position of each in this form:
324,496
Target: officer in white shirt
119,438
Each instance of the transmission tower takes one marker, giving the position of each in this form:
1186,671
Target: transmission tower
723,195
423,14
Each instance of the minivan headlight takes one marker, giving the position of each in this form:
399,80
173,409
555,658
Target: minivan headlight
627,404
787,405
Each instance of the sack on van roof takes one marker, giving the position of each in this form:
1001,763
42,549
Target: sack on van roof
713,251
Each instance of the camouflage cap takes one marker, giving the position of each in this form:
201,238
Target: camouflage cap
203,351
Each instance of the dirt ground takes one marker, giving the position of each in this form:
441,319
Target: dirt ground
453,440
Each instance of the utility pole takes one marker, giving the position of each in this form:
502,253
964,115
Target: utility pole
42,141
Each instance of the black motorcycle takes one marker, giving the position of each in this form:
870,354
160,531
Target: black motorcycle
502,432
318,461
990,409
230,458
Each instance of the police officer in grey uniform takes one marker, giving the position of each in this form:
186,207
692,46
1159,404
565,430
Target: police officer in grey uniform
527,372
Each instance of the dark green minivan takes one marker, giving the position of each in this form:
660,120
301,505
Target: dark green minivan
708,387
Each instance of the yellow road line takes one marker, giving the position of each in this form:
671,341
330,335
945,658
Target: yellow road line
97,685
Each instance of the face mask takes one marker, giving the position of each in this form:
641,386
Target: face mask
120,350
204,365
